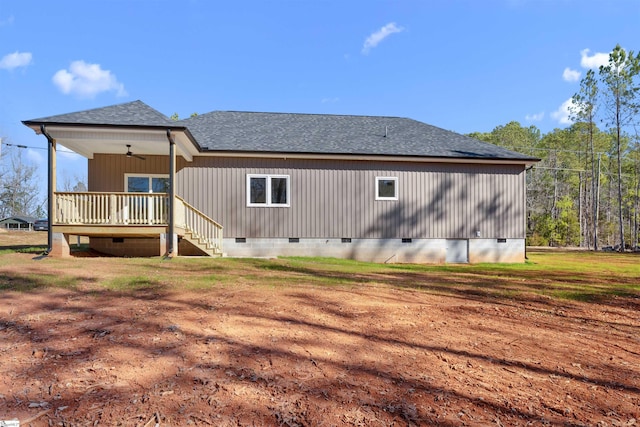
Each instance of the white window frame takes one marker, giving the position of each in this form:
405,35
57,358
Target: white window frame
142,175
150,176
386,178
268,203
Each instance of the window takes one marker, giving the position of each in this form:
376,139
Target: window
145,209
135,183
268,190
386,188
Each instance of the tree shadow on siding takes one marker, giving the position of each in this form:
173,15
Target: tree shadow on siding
438,218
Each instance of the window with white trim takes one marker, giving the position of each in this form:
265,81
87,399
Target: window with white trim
386,188
146,183
268,190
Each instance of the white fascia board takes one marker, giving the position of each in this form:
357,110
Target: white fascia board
107,134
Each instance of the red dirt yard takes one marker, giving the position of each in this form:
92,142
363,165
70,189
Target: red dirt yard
146,342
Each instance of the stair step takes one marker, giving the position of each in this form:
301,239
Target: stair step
202,243
210,250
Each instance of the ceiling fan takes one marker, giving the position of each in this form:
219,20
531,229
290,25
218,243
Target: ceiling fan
130,154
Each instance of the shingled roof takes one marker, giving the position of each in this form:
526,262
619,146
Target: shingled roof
253,132
335,134
130,114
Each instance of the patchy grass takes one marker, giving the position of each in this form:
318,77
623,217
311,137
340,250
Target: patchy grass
571,275
562,275
128,283
568,275
24,249
32,282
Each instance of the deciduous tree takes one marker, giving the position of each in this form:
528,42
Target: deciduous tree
18,188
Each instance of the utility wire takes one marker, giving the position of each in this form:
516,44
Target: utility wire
559,169
559,151
36,148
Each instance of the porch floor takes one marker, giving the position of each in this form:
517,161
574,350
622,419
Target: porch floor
115,230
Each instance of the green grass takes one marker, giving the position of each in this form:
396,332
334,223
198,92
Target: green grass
31,282
568,275
38,249
128,283
564,275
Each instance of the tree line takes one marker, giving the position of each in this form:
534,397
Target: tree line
585,191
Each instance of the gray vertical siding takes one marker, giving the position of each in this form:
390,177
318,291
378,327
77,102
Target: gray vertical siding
334,199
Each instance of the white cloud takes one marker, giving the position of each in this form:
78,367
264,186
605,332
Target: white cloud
7,22
562,113
569,75
375,38
35,157
593,61
534,117
68,155
87,80
15,60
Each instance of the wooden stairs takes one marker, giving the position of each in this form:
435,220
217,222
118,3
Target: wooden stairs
201,231
203,244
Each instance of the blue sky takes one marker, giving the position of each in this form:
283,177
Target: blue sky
463,65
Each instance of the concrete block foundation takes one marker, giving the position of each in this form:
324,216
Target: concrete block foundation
420,251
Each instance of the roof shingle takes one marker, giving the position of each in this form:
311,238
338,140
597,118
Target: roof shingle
135,113
335,134
234,131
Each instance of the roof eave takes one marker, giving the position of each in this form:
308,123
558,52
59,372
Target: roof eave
35,125
365,157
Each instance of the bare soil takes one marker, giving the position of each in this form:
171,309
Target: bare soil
246,354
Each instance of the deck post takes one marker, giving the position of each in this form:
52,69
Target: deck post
51,186
172,239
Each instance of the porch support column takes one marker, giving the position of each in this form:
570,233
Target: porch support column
51,186
172,240
524,183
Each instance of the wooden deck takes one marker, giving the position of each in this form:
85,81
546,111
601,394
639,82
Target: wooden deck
114,230
144,215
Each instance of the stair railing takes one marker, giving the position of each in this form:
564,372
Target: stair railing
201,227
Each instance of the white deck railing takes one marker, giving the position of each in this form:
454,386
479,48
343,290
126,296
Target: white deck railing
95,208
131,209
203,228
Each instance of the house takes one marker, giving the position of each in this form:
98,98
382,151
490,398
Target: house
384,189
18,223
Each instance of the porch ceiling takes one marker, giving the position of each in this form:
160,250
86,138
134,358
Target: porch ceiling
90,141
